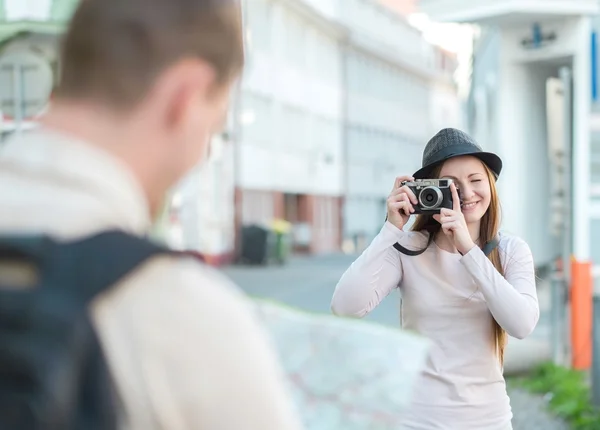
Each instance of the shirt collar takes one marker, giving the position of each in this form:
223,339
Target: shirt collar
65,158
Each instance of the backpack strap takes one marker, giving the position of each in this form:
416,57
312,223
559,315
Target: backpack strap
100,261
70,274
92,263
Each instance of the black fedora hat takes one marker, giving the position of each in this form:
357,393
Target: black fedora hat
449,143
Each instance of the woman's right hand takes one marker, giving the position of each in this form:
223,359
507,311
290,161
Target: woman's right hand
400,202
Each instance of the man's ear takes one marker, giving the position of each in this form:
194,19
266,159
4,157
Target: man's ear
181,90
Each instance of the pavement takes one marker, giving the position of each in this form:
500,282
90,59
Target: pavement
308,283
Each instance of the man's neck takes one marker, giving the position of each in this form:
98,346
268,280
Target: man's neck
108,132
87,123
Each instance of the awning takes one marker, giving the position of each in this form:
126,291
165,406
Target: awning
47,17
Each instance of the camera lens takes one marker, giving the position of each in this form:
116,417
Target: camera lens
430,197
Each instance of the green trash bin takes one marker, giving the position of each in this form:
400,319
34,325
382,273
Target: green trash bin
281,241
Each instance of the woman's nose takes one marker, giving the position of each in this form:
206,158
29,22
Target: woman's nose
466,192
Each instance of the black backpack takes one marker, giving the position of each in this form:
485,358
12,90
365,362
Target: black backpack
53,374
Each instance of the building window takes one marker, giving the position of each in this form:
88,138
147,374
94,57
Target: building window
259,25
256,119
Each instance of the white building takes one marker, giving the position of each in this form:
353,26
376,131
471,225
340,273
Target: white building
200,215
339,97
534,82
291,151
399,93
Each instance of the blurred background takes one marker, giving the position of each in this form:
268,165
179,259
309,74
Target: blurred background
338,98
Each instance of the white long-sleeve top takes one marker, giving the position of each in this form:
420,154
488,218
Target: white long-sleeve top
452,300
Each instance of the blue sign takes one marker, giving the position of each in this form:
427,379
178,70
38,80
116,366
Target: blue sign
594,61
538,38
536,32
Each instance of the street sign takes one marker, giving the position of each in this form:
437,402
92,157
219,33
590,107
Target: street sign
538,38
26,82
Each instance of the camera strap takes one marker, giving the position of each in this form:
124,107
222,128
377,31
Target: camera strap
487,248
490,246
411,252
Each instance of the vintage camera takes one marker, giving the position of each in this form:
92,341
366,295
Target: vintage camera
432,194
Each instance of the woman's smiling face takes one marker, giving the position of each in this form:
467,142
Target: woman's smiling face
470,176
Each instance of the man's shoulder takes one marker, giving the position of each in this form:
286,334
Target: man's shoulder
190,276
181,284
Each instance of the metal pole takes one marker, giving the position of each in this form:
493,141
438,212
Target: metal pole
236,140
345,102
567,213
565,76
596,351
556,332
18,97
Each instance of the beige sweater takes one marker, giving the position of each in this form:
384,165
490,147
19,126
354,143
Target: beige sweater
450,299
186,351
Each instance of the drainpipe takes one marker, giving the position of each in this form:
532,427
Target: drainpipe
345,122
236,141
581,266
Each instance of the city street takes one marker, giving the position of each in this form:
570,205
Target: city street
309,282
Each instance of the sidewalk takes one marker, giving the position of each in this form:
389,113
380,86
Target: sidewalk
530,412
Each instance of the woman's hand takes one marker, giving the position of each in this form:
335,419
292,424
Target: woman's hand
400,202
454,225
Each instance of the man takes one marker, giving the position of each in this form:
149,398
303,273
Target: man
144,84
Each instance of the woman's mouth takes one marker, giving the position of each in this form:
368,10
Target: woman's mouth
468,206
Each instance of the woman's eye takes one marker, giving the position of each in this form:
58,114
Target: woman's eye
476,180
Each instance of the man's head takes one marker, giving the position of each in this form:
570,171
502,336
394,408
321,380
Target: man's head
162,68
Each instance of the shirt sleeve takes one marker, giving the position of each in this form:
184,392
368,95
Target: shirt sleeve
371,277
512,298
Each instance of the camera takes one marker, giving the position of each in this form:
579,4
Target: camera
432,195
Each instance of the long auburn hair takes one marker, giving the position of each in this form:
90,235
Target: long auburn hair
490,224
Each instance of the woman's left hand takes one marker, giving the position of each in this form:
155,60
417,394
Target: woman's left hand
454,225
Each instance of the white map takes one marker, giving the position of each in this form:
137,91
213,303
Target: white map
345,374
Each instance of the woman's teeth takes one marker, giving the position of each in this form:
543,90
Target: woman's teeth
468,205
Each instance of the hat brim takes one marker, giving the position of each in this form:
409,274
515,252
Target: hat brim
490,159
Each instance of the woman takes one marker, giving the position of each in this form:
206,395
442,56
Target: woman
465,301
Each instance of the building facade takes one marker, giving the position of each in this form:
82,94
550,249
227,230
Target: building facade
338,98
290,163
399,93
